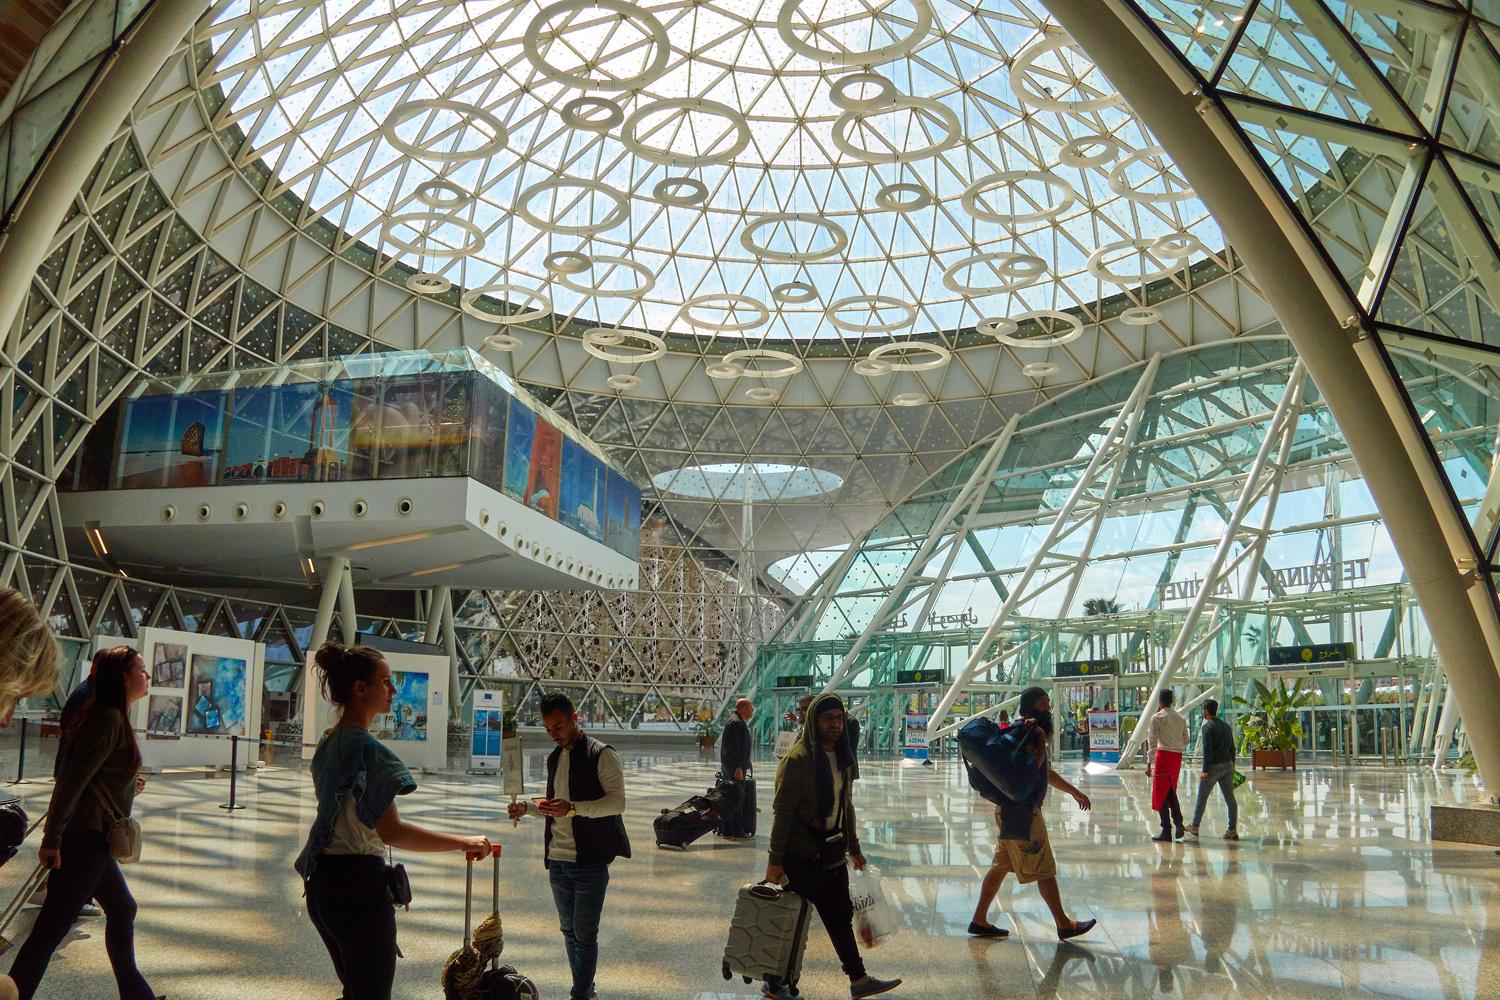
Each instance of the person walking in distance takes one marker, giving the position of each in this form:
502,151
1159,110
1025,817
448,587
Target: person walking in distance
734,762
814,833
584,833
1032,860
356,780
1166,741
1217,739
94,789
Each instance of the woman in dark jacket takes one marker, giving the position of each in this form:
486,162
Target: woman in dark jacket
95,784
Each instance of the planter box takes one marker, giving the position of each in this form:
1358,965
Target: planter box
706,742
1273,758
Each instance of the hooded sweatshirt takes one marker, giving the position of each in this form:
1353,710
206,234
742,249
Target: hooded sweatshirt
805,792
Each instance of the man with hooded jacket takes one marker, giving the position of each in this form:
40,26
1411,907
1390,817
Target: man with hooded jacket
813,833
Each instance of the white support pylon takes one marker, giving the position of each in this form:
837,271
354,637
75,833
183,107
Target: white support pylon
1078,510
1262,482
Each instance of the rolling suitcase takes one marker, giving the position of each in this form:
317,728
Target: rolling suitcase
742,809
767,936
473,972
677,828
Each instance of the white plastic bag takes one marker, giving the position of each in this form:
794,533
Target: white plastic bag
873,919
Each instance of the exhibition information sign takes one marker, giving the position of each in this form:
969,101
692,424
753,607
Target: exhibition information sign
512,768
916,737
785,740
488,718
1104,736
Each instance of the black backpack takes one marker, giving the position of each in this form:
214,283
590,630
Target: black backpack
505,983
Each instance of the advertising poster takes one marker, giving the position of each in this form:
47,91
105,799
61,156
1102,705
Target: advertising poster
533,460
171,442
488,724
915,747
294,433
582,490
1104,736
164,717
622,520
216,699
407,719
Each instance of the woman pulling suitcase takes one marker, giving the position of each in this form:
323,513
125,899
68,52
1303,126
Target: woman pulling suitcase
351,895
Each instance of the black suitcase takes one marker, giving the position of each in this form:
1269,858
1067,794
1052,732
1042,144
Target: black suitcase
746,808
677,828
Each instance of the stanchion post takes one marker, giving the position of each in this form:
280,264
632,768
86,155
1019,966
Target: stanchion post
21,759
234,774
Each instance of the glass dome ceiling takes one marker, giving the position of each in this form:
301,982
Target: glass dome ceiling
742,169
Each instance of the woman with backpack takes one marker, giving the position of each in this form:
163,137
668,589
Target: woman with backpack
351,896
86,828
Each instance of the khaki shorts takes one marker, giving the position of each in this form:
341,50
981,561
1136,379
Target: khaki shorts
1029,862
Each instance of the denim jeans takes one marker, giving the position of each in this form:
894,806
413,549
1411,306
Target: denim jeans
1223,776
579,895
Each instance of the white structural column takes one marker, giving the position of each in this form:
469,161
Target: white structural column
348,616
969,495
1262,486
100,112
1327,325
333,582
1110,457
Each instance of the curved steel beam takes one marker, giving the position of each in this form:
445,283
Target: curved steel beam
1332,333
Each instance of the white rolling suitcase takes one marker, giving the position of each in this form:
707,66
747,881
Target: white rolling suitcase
768,935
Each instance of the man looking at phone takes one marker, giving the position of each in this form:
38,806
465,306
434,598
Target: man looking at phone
584,833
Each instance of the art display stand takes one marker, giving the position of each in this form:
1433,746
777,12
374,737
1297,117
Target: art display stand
204,690
416,727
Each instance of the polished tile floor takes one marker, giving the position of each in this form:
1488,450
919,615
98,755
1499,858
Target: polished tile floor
1334,891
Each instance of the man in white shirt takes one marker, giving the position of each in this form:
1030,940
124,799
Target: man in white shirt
1166,740
585,832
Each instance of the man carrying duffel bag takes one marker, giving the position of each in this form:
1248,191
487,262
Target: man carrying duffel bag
1030,858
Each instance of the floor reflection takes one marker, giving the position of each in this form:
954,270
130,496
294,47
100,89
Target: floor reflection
1335,891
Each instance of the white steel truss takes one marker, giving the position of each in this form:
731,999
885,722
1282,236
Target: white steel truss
1080,510
1262,487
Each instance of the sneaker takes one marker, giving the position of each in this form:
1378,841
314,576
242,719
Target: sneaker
90,910
1163,838
1192,828
775,992
1231,834
1181,831
987,930
869,986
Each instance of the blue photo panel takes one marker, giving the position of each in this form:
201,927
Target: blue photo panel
622,522
520,431
171,442
582,490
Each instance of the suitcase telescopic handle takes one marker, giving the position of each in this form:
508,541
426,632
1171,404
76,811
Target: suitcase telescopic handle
469,889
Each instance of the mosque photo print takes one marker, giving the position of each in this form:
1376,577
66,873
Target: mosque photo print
582,490
407,719
216,696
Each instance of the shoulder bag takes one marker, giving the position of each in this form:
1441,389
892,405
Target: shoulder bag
123,833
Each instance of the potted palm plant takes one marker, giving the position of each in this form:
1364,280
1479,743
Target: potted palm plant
1271,731
708,734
